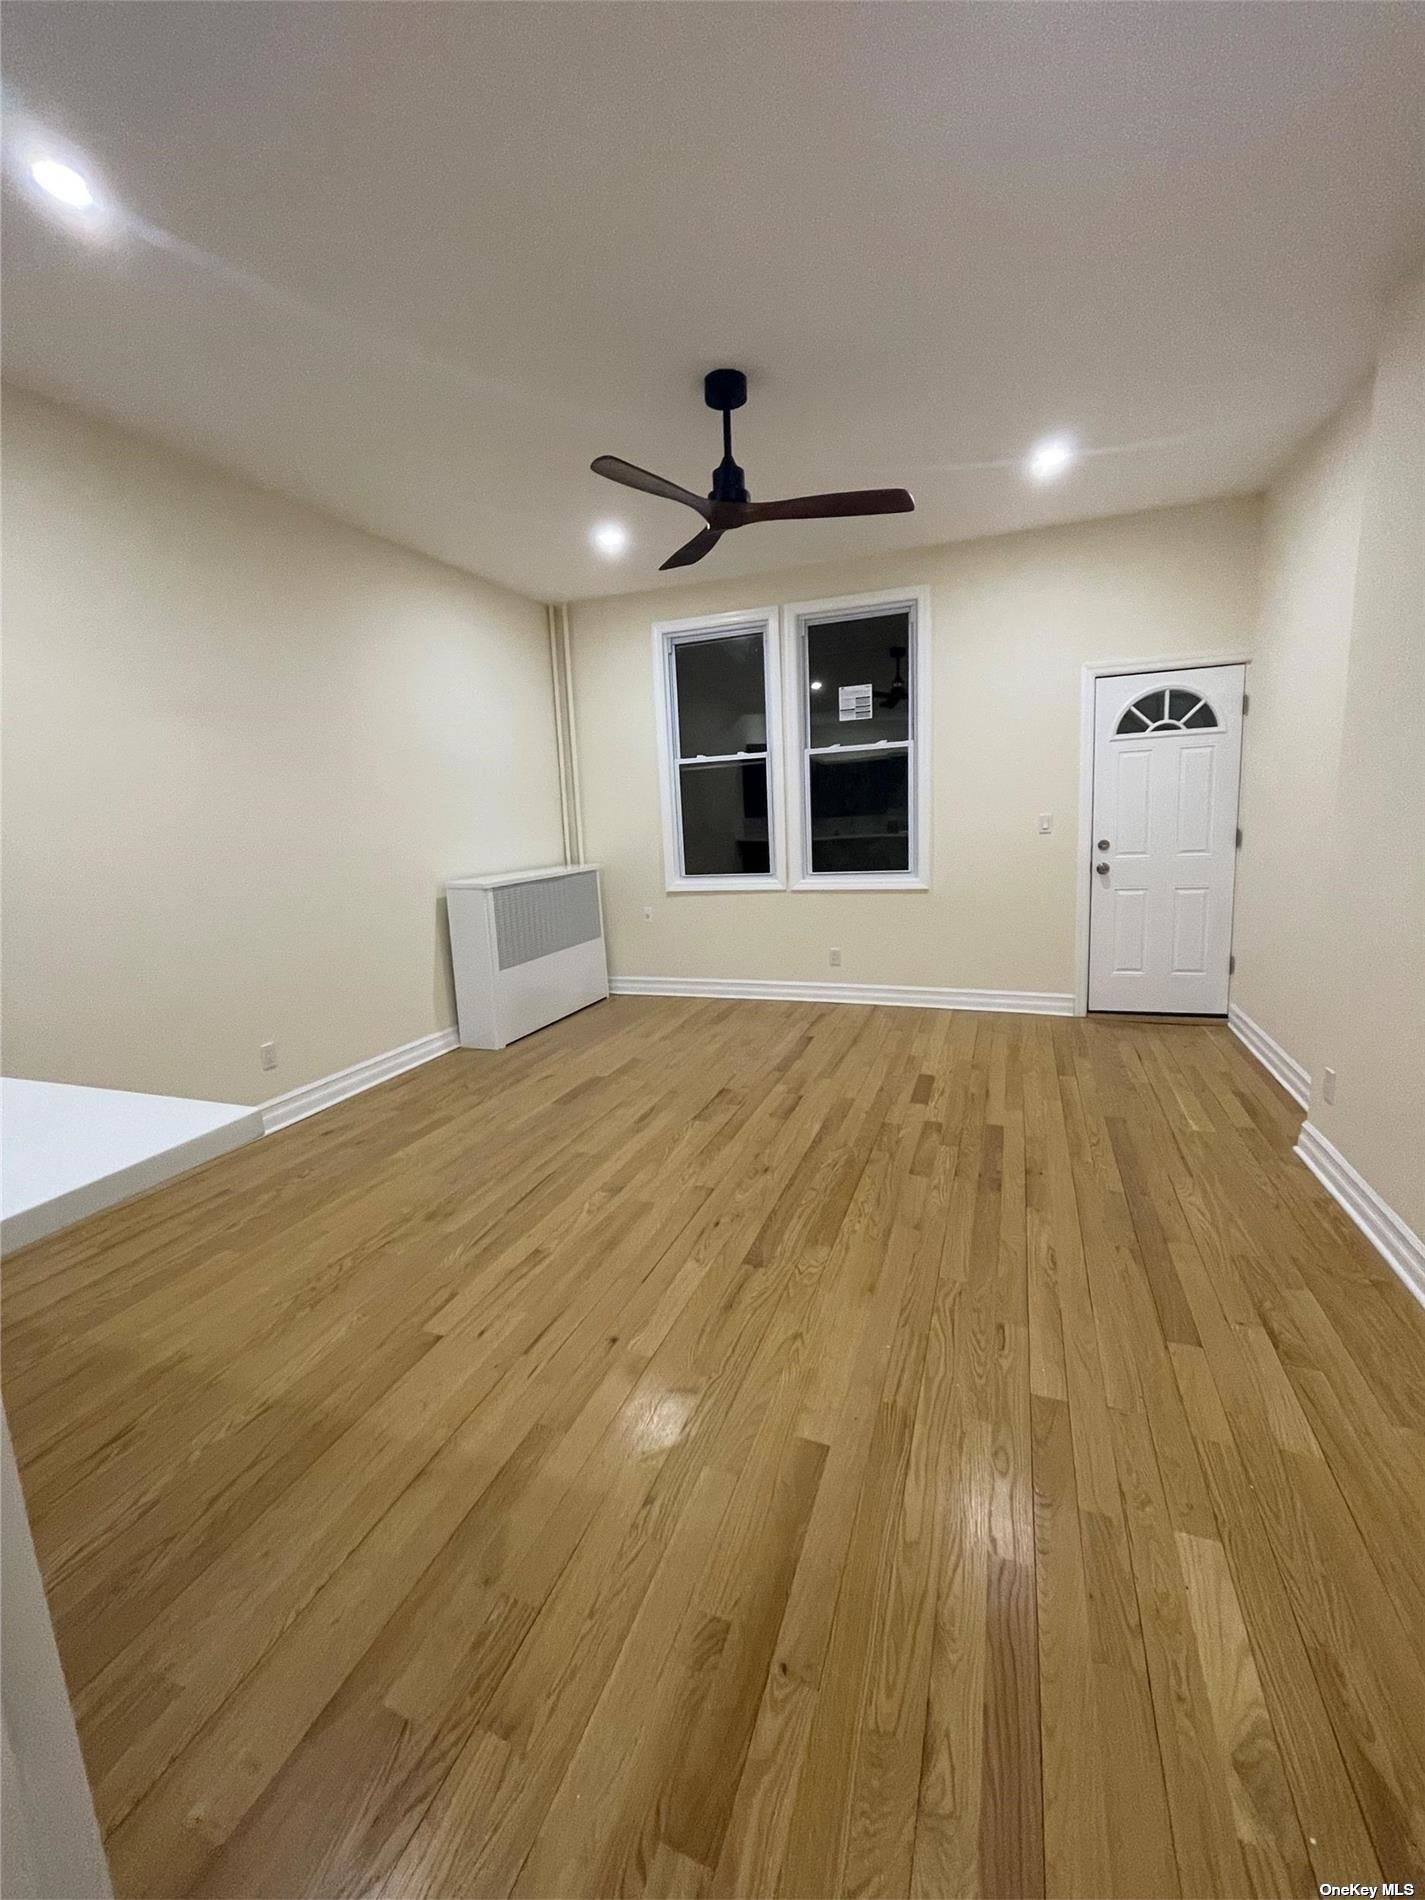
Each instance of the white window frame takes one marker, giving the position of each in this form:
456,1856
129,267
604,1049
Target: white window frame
799,616
668,635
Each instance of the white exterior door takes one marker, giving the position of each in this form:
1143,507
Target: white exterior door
1167,759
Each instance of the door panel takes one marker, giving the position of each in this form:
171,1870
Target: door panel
1130,922
1167,759
1189,933
1195,777
1132,800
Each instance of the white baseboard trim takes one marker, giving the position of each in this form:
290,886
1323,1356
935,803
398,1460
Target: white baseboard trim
1398,1245
298,1103
1013,1002
1273,1058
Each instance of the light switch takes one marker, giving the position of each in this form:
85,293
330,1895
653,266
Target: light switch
1046,823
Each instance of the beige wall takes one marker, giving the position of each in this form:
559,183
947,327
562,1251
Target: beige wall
243,747
1372,915
1013,621
1331,889
1310,536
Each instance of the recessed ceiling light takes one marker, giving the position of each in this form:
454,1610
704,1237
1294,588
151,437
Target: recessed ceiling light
816,686
610,538
1049,459
63,183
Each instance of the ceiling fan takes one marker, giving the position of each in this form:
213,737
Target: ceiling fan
897,692
728,505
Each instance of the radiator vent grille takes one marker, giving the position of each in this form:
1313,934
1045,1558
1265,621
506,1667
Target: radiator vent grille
534,920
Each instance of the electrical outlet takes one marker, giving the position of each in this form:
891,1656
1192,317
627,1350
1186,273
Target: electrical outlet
1328,1085
267,1055
1046,823
834,959
648,913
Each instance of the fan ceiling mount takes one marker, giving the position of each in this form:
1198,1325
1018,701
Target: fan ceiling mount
728,505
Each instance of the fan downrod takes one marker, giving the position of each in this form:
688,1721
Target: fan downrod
726,390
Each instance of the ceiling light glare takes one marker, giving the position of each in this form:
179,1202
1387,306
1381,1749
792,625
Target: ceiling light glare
1049,459
610,538
63,183
60,182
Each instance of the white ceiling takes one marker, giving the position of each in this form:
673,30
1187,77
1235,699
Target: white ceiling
419,263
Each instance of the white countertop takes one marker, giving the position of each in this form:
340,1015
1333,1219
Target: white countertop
66,1151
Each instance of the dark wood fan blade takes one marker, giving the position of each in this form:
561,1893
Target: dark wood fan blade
615,469
693,550
856,501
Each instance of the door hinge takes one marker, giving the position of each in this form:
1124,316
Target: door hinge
1246,702
1239,837
1232,965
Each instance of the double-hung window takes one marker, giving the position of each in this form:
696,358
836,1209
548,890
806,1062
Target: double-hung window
833,795
719,724
860,817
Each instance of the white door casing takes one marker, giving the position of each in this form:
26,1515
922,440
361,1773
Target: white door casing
1167,764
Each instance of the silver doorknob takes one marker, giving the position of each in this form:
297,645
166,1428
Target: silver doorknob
1102,869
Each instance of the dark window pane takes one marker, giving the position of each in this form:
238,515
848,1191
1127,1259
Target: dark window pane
721,697
1180,703
860,813
873,651
1151,705
1202,717
724,819
1132,721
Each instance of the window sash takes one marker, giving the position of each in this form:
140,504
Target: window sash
876,749
674,761
805,618
749,829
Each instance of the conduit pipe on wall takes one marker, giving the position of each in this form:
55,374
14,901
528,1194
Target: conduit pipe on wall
561,671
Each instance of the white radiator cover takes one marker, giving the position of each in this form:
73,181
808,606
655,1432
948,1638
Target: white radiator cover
527,947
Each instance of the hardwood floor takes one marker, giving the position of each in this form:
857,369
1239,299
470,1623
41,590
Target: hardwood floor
743,1449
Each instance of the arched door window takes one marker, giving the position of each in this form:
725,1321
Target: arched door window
1166,709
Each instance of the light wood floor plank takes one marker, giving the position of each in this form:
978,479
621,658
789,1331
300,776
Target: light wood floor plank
736,1449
